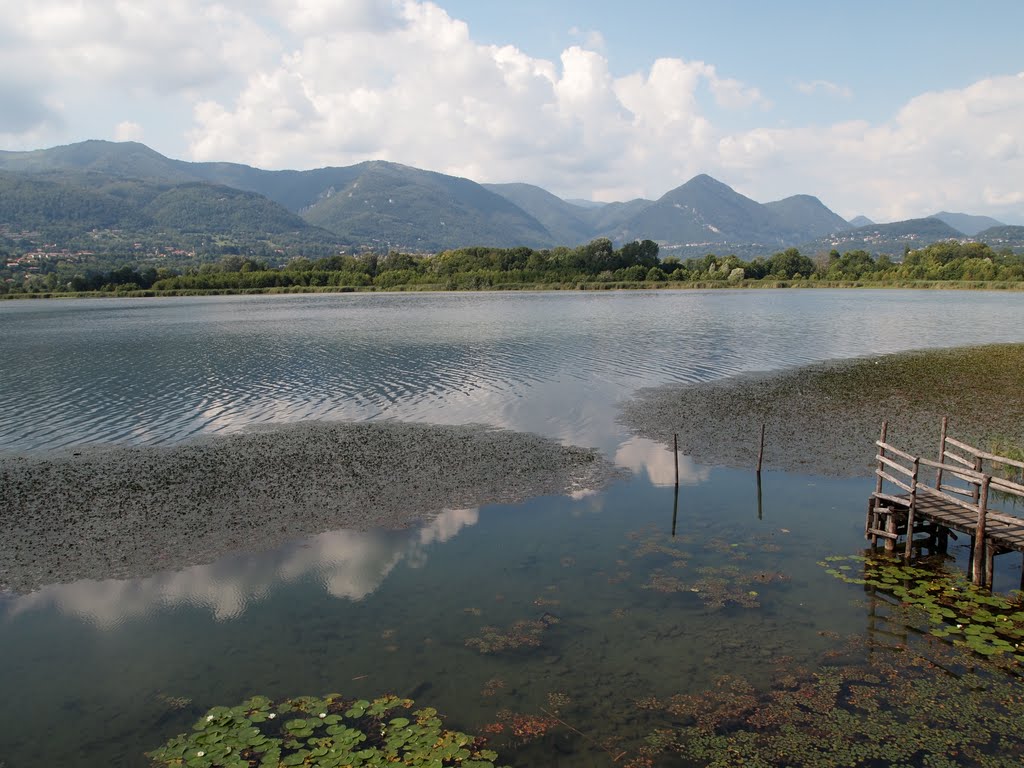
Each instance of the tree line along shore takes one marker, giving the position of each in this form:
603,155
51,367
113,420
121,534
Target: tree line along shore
597,265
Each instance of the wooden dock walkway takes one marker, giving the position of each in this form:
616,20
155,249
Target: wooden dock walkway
966,481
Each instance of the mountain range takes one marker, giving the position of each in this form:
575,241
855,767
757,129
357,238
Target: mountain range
104,194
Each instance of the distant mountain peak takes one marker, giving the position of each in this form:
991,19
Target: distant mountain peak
966,223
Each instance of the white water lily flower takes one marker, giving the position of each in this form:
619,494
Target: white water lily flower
271,716
200,753
322,715
209,718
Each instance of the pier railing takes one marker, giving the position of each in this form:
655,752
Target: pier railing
965,476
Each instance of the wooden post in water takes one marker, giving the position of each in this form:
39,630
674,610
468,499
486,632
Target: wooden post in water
675,510
760,516
942,451
910,511
990,565
675,451
760,450
976,493
978,561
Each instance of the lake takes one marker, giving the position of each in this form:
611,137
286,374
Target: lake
583,607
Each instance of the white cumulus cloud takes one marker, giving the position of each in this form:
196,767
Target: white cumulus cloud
944,150
307,83
128,131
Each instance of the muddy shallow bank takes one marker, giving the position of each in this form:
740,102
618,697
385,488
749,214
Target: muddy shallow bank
824,418
123,512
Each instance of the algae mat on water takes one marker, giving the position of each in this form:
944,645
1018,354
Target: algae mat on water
824,418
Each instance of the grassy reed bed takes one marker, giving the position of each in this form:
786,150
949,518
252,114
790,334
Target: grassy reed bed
956,285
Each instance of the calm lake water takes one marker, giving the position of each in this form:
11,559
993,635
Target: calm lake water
96,673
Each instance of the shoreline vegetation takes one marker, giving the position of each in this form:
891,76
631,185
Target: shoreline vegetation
595,266
131,511
823,419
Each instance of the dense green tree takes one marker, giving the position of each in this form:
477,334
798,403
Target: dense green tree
790,263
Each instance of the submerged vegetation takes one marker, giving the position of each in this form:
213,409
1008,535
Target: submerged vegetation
597,264
908,706
824,418
327,732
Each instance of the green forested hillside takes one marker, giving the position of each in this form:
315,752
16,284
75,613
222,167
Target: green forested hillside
207,209
804,217
393,206
47,206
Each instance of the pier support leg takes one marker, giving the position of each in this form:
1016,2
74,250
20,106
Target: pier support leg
990,556
979,562
890,527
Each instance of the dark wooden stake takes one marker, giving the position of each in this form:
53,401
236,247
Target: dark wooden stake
675,450
978,575
911,509
675,510
760,450
942,451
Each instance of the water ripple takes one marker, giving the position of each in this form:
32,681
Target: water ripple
155,372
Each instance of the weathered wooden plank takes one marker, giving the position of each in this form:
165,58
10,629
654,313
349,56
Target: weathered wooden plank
902,501
893,450
883,534
1007,486
908,471
893,480
957,490
952,500
963,474
1002,460
963,446
969,463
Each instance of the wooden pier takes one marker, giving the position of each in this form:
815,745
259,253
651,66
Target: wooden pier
966,482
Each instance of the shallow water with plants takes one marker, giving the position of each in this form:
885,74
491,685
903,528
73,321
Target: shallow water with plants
634,626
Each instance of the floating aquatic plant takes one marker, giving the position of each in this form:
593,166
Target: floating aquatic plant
522,727
717,586
522,634
328,732
173,702
901,709
952,607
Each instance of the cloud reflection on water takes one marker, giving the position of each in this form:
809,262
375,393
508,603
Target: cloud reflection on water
647,456
350,565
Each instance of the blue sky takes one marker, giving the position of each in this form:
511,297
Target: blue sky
893,109
884,52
